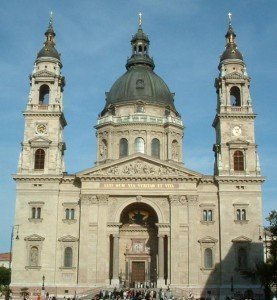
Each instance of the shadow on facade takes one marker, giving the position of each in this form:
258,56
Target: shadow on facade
241,256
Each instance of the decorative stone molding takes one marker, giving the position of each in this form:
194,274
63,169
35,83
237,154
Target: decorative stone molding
34,237
68,238
89,199
192,199
174,200
241,239
103,199
114,224
139,168
138,198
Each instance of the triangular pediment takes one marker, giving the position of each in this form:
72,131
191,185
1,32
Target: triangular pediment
207,239
139,165
40,141
44,73
234,75
68,238
34,237
241,239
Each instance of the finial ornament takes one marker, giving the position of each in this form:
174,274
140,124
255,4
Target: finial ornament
230,18
140,18
51,19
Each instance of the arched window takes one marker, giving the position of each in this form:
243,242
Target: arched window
155,148
238,161
72,214
33,261
68,257
39,159
67,214
38,212
235,96
208,258
139,145
242,258
140,49
243,214
44,94
210,215
238,215
33,212
123,147
175,150
103,149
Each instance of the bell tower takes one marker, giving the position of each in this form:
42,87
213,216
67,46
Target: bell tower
43,147
235,148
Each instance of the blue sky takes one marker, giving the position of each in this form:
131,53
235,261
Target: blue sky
187,38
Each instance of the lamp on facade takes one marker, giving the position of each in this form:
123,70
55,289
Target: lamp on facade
43,288
260,232
43,279
11,244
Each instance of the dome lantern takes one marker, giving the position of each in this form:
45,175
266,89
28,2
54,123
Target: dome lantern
49,49
231,49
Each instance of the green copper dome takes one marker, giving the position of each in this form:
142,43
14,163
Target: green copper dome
140,82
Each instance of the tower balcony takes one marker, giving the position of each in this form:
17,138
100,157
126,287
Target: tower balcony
143,119
236,109
44,107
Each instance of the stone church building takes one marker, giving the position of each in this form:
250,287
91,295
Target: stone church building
138,217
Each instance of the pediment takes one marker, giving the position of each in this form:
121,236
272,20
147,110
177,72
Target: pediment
139,165
40,141
208,239
44,73
34,237
235,75
241,239
238,141
68,238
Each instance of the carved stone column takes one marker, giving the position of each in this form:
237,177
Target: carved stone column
161,280
115,279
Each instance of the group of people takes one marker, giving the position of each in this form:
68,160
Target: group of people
134,294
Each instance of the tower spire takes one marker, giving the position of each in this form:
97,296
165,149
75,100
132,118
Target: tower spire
140,19
231,51
140,46
49,49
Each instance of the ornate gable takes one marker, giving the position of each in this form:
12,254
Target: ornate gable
235,75
208,239
241,239
68,238
40,142
44,73
139,165
34,237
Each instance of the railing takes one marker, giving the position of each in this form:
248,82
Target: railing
45,107
139,119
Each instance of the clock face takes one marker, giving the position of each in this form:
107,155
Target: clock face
236,130
41,128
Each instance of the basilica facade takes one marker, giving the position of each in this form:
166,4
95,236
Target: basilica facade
138,217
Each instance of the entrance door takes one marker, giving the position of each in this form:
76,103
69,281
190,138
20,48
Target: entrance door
138,271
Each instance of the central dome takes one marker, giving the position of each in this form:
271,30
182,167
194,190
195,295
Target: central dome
140,82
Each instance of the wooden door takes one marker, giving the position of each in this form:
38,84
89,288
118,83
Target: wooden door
138,271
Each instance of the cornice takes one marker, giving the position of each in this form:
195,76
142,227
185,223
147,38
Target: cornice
39,177
136,178
239,179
